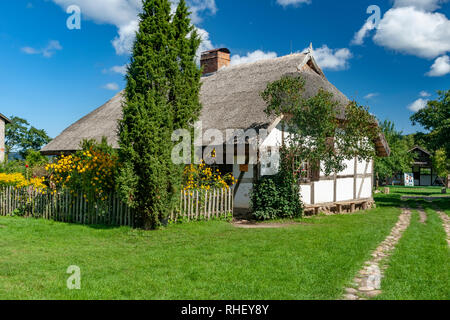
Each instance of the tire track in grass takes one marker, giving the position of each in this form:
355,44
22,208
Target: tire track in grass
419,268
367,283
422,214
445,223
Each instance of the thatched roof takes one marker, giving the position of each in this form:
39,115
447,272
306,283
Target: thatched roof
230,98
4,118
101,122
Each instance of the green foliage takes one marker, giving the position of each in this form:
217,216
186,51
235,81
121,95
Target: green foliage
162,95
277,196
318,132
16,166
21,137
321,133
436,119
90,171
312,260
35,159
441,164
400,159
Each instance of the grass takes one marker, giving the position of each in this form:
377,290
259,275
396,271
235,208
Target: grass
419,191
419,268
205,260
315,259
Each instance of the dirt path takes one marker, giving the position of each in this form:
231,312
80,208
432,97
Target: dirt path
446,223
367,283
422,214
244,224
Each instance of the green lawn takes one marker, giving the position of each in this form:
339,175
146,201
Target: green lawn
419,191
420,265
214,260
206,260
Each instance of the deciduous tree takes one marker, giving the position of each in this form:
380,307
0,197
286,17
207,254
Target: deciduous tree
20,137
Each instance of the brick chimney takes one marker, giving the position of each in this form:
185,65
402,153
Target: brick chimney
213,60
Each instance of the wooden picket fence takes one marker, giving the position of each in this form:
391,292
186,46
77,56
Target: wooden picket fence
205,204
65,207
73,208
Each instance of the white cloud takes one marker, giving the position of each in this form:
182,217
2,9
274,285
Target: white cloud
30,50
118,69
206,43
127,33
417,105
252,57
428,5
333,59
424,94
440,67
286,3
47,51
412,31
124,15
50,49
371,95
111,86
358,38
197,7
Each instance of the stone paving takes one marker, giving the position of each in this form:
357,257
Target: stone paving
446,223
367,283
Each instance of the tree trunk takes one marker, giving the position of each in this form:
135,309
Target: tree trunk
148,220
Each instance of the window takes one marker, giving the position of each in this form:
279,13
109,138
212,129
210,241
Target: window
425,171
307,173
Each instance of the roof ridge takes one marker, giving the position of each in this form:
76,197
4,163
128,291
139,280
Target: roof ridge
262,61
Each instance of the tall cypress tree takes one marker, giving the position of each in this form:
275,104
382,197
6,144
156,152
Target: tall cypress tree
162,95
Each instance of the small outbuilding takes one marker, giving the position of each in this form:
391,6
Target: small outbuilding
422,168
3,122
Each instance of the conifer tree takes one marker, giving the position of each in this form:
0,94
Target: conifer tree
162,95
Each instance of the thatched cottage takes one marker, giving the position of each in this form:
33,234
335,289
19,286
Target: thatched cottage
3,122
231,100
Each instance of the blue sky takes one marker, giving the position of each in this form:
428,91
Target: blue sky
52,76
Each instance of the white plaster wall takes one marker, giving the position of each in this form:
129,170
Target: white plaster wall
344,188
270,169
274,139
305,194
2,140
323,191
247,175
361,167
365,185
350,169
242,199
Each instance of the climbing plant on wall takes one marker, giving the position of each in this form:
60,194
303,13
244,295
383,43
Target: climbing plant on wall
321,135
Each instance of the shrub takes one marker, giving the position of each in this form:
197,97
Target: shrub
35,159
16,166
90,171
18,180
203,177
275,197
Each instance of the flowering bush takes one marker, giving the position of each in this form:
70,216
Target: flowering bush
90,171
18,180
203,177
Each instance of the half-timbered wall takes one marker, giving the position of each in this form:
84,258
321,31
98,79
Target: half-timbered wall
353,183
